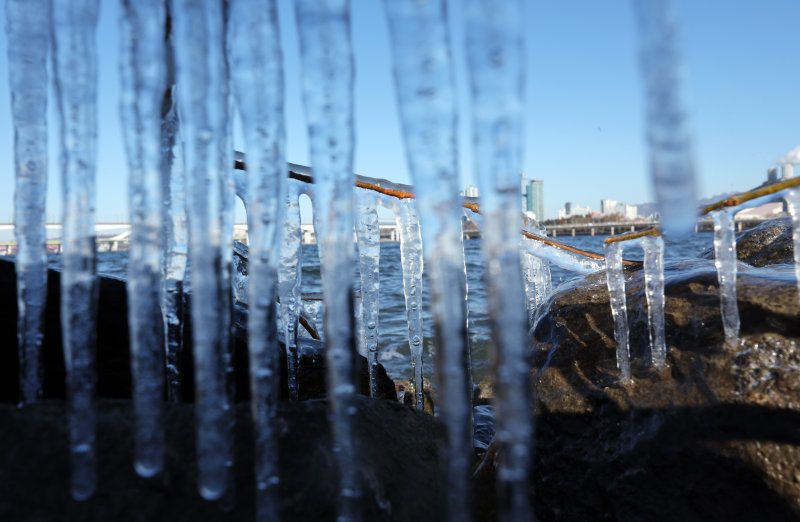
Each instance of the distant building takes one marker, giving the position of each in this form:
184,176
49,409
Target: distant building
471,191
629,211
571,209
772,175
788,170
532,192
608,206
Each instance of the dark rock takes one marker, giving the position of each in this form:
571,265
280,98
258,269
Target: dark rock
770,243
113,352
399,466
712,437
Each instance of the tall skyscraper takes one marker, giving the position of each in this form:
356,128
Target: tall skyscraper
534,201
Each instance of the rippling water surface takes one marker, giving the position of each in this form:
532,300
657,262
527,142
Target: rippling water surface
393,341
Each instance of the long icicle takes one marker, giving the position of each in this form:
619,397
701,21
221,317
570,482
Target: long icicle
327,64
407,222
725,254
175,233
75,68
368,233
200,74
615,280
496,62
671,167
142,72
257,74
424,81
289,281
29,37
654,290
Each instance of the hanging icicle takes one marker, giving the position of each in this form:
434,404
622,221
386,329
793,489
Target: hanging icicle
203,102
671,167
725,254
257,74
29,38
423,74
75,71
368,233
142,72
327,64
654,290
793,203
494,39
616,289
289,280
407,223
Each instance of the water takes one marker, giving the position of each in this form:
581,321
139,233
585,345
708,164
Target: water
393,341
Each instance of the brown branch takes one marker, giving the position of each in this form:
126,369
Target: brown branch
632,235
738,199
310,328
573,250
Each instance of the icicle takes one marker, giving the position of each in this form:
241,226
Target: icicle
175,237
203,102
531,267
289,280
725,253
327,64
75,68
257,74
411,261
671,167
423,75
654,288
616,290
142,26
29,34
368,232
793,202
496,61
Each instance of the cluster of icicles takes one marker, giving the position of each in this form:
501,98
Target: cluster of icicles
178,93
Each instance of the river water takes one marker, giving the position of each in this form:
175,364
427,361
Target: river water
393,339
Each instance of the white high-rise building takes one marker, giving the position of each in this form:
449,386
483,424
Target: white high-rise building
608,206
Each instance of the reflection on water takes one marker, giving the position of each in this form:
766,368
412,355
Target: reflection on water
393,340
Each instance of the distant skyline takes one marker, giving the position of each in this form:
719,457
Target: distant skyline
584,120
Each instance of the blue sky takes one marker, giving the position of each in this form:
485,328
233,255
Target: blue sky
584,120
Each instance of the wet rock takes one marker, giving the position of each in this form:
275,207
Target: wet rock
406,394
770,243
712,437
399,466
113,351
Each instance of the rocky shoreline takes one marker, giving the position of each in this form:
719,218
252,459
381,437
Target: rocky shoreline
714,436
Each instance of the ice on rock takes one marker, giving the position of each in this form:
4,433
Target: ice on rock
143,65
75,72
725,261
257,76
424,82
615,280
29,38
654,289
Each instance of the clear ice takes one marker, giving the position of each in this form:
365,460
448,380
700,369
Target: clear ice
29,37
671,166
725,254
496,61
793,202
615,279
142,71
289,279
368,233
407,222
327,79
75,72
654,290
424,82
201,77
257,76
